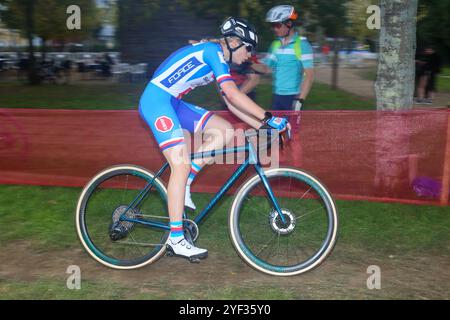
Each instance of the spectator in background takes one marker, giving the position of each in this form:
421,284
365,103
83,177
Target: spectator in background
432,69
419,62
290,60
428,66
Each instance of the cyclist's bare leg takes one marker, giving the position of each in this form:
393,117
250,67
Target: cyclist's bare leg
217,133
180,165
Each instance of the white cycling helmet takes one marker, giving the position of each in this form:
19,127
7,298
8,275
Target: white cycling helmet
240,28
281,14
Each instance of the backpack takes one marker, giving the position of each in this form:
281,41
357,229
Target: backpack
297,47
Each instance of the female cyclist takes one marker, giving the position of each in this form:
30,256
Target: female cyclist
167,115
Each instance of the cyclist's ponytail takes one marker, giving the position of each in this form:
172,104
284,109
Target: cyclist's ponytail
214,40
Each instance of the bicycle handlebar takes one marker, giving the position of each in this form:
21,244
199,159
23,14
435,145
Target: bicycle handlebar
268,132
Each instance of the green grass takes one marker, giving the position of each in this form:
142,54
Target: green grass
394,227
445,71
368,73
322,97
43,215
87,95
442,81
109,95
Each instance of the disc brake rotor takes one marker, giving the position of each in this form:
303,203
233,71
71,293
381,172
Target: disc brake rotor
277,224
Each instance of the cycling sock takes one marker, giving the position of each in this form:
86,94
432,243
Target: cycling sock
176,231
195,169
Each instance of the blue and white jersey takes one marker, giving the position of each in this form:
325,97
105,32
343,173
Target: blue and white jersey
288,64
192,66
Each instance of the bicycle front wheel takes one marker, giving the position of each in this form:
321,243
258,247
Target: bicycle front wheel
290,246
109,197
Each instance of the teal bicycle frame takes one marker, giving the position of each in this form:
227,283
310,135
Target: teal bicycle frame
252,158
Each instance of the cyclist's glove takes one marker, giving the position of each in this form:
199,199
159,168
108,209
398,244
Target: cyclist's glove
277,123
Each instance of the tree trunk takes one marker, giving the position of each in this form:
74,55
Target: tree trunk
33,77
395,82
394,90
44,49
335,65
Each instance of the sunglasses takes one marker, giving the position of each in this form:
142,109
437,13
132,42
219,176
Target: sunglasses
247,46
276,25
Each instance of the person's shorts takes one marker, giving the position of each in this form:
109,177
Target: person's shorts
283,102
167,116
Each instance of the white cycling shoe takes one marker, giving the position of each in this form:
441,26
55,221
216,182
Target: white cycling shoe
188,200
185,249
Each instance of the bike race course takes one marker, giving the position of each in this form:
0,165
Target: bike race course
408,243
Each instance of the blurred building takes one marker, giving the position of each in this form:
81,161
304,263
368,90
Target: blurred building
10,38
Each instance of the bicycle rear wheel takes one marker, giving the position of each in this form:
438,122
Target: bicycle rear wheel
306,237
106,237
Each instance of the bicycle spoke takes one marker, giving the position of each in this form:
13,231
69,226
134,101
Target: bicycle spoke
265,245
306,214
305,193
287,250
132,238
278,245
289,189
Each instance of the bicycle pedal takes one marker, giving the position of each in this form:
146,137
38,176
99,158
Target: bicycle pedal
169,251
169,254
194,260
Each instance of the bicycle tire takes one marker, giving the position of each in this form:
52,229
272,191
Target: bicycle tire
86,236
244,245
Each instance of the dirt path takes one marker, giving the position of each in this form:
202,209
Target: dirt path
342,276
350,80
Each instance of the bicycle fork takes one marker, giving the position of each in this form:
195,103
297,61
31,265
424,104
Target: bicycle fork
269,192
254,159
